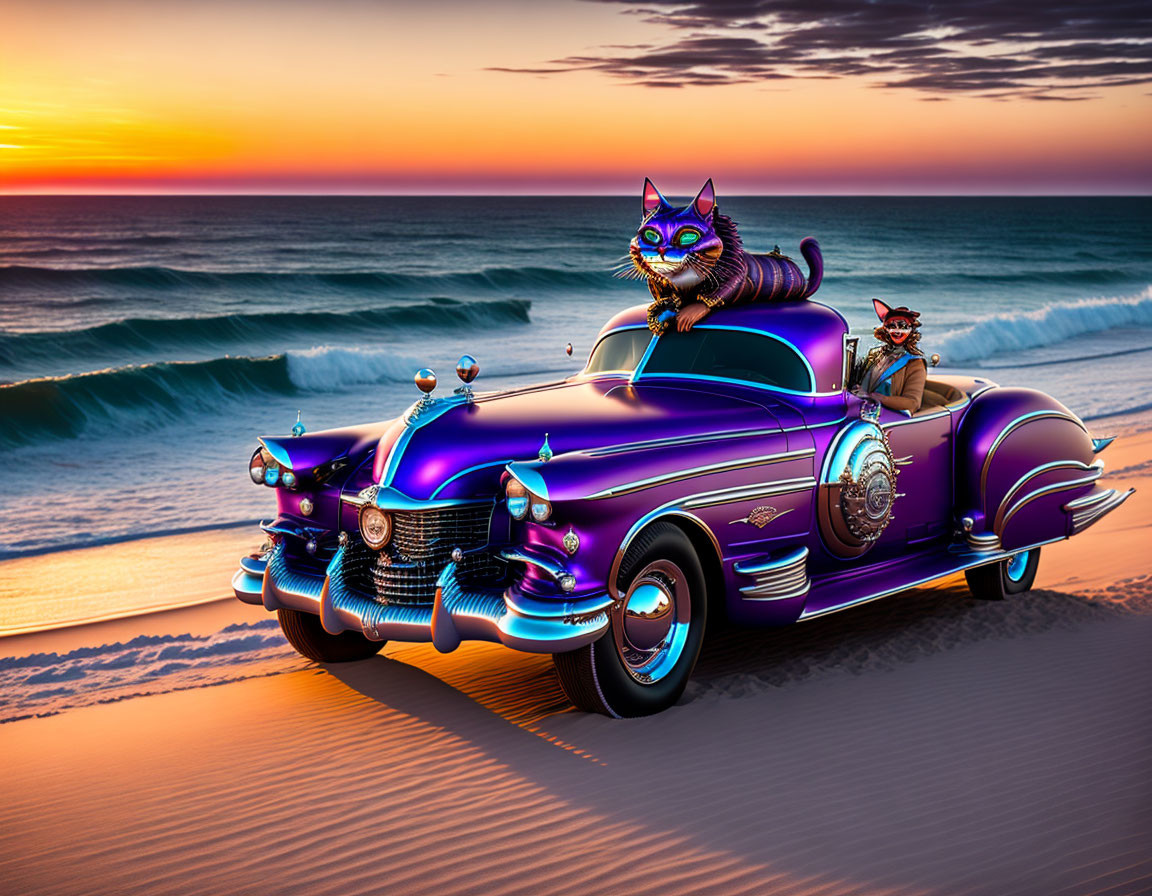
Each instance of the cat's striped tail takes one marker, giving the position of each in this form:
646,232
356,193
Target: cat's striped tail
810,249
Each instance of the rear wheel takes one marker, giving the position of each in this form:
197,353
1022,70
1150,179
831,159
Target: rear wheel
307,635
1013,575
642,664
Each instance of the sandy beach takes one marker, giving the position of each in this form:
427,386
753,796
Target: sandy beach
927,744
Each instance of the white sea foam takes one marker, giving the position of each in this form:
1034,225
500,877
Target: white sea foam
323,367
1002,335
326,367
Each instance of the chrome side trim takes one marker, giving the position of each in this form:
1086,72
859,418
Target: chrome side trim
1036,471
1048,490
1085,512
626,447
982,542
541,561
729,495
980,560
935,415
723,466
1007,431
799,555
784,578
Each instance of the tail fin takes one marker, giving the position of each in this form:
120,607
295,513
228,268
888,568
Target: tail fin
810,249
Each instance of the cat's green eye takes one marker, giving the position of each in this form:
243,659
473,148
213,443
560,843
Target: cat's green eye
687,237
651,236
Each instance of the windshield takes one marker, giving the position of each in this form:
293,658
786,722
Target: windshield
621,350
731,355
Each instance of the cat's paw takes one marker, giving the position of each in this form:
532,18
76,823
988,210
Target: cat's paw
690,315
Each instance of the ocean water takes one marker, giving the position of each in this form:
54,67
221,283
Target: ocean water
146,341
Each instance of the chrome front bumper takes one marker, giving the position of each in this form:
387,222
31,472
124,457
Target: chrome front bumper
507,617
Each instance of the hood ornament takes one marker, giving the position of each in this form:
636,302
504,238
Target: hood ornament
467,369
298,430
425,381
545,451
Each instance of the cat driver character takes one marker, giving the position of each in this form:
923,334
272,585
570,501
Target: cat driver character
894,372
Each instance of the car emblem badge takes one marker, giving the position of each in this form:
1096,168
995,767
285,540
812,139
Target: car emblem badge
762,516
571,541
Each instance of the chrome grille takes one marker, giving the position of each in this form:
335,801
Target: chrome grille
406,570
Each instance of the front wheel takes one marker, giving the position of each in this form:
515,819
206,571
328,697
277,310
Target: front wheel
642,664
307,635
997,581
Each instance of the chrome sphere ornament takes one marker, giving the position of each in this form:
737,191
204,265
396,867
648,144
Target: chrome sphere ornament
306,506
467,369
298,430
425,380
310,546
571,541
934,359
457,555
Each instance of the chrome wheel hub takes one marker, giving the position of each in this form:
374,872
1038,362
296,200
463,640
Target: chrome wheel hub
650,624
1017,566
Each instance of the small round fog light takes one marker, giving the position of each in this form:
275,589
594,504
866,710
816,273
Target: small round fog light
567,583
310,545
457,555
288,478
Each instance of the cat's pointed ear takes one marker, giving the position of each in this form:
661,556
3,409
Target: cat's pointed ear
881,308
652,198
705,200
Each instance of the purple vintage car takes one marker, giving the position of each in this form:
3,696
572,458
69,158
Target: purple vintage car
721,472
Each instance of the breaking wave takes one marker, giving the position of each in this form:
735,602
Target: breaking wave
144,396
157,334
1005,334
165,278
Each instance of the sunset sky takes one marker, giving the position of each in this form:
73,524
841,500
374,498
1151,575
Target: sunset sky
575,96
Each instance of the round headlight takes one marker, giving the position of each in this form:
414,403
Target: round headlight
375,526
541,510
256,466
288,478
517,499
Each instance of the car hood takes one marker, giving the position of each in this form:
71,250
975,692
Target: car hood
460,450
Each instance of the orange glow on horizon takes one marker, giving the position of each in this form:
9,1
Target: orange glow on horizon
257,98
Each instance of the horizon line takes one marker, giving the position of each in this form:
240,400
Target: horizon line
547,195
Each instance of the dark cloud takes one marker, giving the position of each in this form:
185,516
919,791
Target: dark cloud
1041,50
